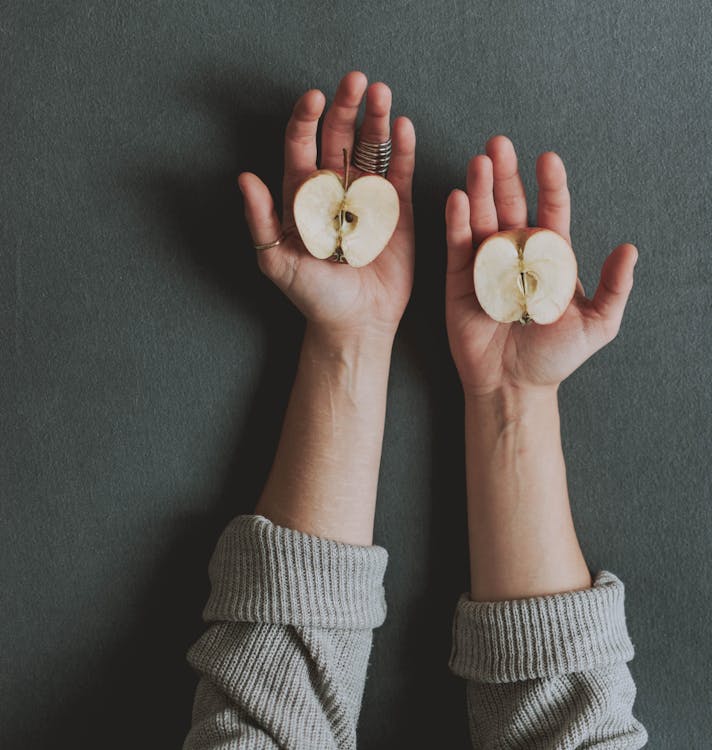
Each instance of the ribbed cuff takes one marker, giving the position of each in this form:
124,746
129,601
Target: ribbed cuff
541,637
265,573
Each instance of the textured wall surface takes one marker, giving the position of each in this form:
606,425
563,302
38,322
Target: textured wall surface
146,364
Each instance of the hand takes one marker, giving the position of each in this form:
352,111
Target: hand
491,355
331,295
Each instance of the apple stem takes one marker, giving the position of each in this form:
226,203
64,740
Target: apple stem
346,168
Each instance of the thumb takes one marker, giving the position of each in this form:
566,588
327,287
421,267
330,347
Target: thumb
614,288
263,223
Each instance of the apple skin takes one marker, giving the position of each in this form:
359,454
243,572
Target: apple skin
520,239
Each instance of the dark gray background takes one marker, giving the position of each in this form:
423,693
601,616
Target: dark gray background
146,363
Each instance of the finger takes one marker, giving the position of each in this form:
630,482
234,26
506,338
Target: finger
483,213
460,252
509,195
554,202
263,223
400,170
376,121
300,140
340,121
614,288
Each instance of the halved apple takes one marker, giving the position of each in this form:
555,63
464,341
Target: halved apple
525,274
347,223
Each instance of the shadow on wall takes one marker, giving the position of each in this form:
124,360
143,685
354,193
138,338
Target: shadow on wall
141,693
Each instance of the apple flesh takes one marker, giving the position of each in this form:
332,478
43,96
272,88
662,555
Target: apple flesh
351,225
525,274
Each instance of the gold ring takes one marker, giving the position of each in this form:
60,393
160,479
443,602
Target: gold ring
268,245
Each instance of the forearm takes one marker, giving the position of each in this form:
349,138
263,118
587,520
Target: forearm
522,537
325,473
543,648
298,588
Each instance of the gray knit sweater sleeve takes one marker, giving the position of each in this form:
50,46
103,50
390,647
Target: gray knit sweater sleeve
282,663
548,672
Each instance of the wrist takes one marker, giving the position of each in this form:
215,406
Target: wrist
512,403
367,346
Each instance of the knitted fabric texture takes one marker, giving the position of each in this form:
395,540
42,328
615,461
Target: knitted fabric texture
548,671
283,661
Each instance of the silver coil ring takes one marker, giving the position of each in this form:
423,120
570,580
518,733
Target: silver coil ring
372,157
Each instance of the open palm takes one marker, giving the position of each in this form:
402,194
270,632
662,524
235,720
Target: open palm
333,294
488,354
